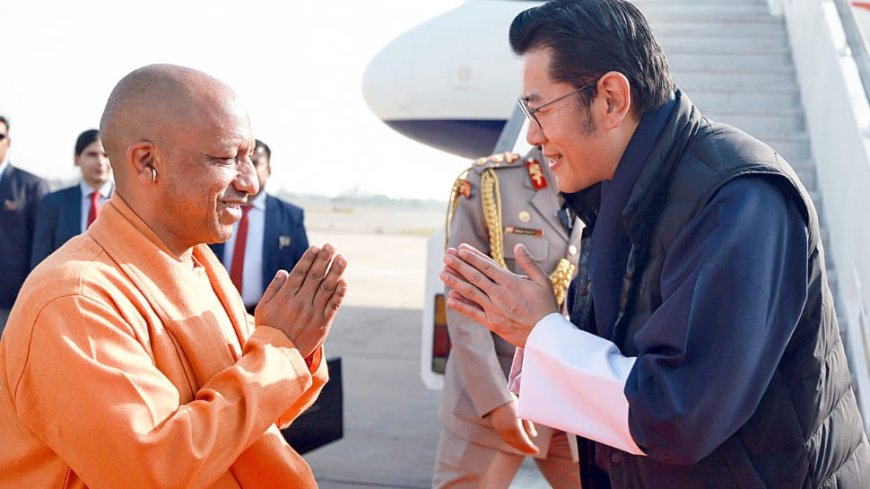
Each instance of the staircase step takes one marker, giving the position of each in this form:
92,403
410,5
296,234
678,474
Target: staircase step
832,276
807,177
716,63
725,44
817,199
682,9
710,100
642,4
792,149
770,80
664,28
761,125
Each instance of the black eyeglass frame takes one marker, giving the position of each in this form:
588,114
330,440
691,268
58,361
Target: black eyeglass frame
530,112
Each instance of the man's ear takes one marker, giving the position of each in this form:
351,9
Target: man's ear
143,158
615,89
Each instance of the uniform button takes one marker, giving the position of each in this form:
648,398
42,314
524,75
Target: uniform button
524,216
616,458
572,250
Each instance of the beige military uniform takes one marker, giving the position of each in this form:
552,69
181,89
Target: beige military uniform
522,194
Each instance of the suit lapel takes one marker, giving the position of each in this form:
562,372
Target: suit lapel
71,213
6,184
218,249
271,231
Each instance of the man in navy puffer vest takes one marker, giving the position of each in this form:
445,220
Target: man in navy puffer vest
703,349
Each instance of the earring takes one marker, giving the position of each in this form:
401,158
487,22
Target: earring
153,175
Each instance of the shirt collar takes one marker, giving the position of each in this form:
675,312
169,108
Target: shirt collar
259,202
615,192
3,166
105,190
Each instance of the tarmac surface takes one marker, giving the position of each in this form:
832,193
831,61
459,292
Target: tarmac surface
390,419
391,422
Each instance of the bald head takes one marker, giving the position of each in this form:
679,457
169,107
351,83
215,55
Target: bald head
156,103
180,145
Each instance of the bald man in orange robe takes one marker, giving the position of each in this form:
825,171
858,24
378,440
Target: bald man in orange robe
129,360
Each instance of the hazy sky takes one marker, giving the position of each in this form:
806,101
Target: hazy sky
297,65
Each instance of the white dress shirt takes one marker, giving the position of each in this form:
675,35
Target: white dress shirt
574,381
3,165
105,192
252,279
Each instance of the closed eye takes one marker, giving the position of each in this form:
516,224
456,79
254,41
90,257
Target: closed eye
222,160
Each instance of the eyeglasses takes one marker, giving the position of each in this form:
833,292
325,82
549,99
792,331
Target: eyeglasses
529,112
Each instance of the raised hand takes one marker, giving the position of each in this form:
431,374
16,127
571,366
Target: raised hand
303,303
508,304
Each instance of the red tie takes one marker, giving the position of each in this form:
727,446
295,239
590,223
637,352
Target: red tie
95,208
237,269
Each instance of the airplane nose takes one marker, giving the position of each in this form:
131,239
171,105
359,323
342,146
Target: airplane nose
444,83
412,88
387,80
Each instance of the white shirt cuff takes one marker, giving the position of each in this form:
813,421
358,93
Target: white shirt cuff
516,372
574,381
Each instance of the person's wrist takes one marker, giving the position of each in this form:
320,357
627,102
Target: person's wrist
497,408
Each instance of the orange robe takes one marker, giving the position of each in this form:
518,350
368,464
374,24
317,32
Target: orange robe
119,369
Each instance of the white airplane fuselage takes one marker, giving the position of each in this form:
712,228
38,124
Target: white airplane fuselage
451,81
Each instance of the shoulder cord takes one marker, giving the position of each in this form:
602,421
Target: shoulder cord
490,197
453,203
561,278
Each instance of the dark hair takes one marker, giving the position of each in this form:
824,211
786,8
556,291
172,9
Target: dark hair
260,144
85,139
588,38
4,121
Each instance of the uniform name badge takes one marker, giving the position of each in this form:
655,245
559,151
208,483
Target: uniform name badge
538,233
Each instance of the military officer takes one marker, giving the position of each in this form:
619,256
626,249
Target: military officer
500,201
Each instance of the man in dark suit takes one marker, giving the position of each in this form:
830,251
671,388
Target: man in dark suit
20,191
269,237
70,211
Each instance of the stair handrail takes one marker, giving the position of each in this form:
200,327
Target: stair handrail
855,42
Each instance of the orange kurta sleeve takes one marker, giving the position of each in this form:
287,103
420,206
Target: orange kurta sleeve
89,389
319,375
316,366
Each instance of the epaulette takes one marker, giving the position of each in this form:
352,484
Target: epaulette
497,160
